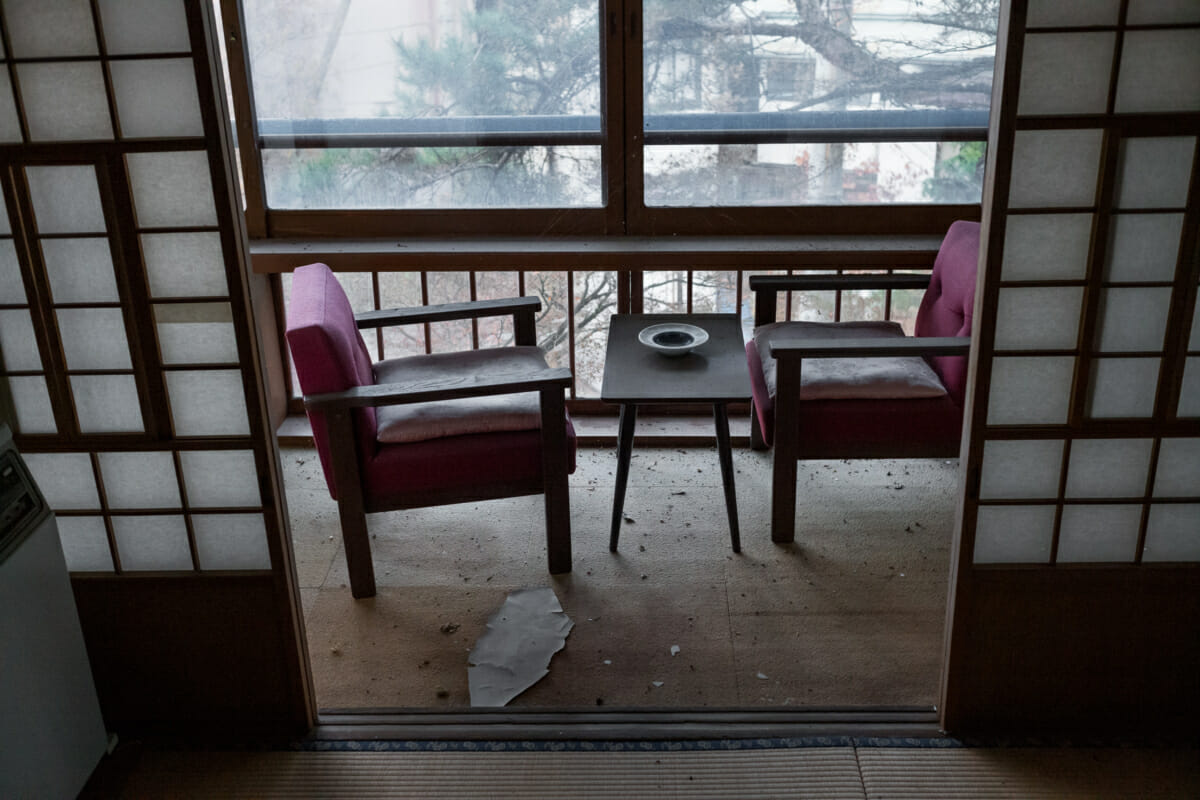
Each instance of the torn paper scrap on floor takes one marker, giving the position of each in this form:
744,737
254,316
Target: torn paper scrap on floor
514,652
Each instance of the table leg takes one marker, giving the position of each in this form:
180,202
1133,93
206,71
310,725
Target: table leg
725,456
624,451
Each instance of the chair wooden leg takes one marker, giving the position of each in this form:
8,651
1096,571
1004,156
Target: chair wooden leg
787,447
351,508
554,481
358,550
757,442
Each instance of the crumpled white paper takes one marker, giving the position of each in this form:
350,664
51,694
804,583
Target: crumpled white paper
514,652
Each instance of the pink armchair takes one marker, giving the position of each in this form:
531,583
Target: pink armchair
866,390
428,430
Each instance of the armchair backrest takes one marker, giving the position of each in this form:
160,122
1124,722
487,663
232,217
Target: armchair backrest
949,303
328,352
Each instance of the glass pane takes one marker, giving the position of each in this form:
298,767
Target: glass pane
65,101
1153,172
1108,468
107,403
85,544
851,173
1178,471
66,479
196,333
220,478
434,177
1014,534
144,26
1045,247
171,189
1055,13
18,345
1133,320
1038,319
1055,168
552,322
1066,73
403,290
66,199
1020,469
185,264
12,288
157,97
595,302
451,336
231,541
94,338
207,402
441,78
1173,533
50,28
154,542
1143,247
32,401
1147,56
10,125
80,270
1123,387
1102,533
1030,390
140,480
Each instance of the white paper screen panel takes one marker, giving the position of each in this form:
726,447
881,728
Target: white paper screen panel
1038,319
65,101
157,97
1071,13
152,542
1194,338
171,189
1189,391
196,333
1014,534
1066,73
207,402
1099,533
1033,390
1133,320
12,288
1055,168
50,28
185,264
1021,469
1162,12
231,541
1123,387
1108,468
66,199
1146,56
94,338
85,544
1045,247
220,478
1143,247
80,270
144,26
1173,533
31,397
18,342
66,480
107,403
1178,470
10,124
1154,171
140,480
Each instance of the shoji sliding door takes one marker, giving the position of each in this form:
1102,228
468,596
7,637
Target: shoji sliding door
1077,593
129,352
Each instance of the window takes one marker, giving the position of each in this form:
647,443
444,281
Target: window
623,116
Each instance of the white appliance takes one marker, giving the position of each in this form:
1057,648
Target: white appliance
51,731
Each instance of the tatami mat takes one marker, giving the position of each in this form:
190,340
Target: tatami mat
822,772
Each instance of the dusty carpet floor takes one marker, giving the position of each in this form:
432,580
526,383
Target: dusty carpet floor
852,614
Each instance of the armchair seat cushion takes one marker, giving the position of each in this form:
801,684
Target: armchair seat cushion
886,378
418,422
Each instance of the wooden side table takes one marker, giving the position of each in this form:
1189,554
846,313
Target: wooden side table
714,373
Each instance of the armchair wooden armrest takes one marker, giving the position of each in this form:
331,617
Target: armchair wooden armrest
765,287
387,394
850,348
522,310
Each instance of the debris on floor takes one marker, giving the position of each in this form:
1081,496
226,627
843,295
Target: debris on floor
514,652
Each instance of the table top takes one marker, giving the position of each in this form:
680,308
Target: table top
715,372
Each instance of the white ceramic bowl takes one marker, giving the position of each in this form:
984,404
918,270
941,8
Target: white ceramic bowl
673,338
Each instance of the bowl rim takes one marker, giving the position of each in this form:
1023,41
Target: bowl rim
646,336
